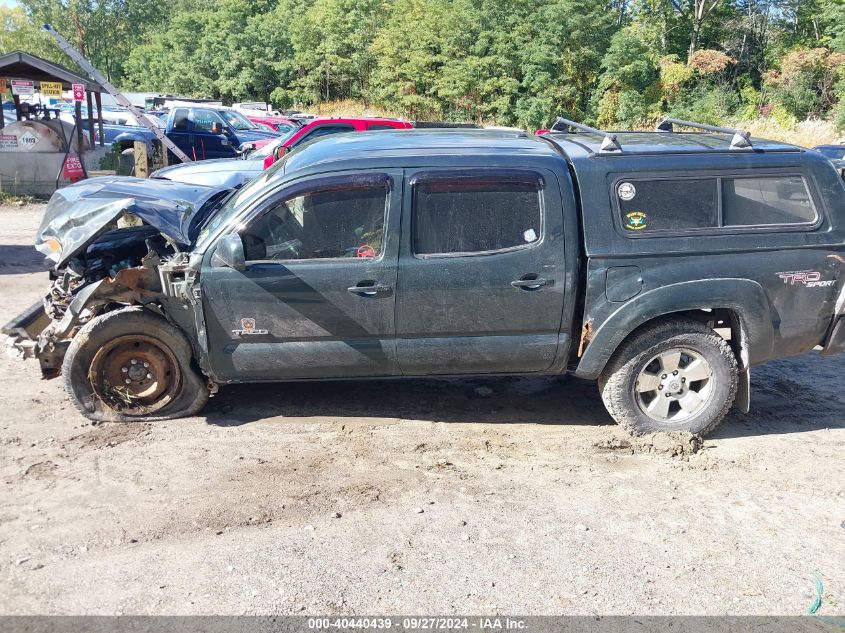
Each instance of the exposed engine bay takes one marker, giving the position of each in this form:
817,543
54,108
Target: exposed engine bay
107,250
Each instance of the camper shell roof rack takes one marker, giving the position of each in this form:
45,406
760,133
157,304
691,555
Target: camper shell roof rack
741,138
610,143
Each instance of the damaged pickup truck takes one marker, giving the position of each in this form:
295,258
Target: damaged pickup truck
662,264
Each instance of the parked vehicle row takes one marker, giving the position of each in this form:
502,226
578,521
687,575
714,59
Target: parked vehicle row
234,172
664,265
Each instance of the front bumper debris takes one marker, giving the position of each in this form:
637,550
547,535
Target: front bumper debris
22,331
24,340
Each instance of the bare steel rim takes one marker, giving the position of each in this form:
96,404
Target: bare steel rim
136,374
674,386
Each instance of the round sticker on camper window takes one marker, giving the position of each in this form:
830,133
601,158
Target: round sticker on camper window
626,191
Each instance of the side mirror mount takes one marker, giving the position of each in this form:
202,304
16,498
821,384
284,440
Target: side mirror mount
229,252
245,149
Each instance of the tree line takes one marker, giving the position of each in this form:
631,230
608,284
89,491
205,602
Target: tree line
512,62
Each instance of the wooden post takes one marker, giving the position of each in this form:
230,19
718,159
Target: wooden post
17,101
2,114
142,167
159,157
91,135
100,119
77,107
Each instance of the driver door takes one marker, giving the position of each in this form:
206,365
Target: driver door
317,297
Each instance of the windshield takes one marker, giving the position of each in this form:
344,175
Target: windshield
236,201
237,120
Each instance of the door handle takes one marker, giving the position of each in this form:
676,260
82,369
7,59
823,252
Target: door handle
368,288
531,282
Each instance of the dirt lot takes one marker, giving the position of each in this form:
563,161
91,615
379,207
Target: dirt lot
472,496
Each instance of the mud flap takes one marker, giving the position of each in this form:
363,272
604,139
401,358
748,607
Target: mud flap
743,390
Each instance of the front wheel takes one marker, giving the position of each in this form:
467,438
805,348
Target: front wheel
678,375
132,365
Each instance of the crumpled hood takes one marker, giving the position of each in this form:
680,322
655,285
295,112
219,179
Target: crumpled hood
78,214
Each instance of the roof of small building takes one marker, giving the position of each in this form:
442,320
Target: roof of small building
21,65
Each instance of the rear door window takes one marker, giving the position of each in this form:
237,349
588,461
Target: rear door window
325,130
767,200
668,204
476,214
180,119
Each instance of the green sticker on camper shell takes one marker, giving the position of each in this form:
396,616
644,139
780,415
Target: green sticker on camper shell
636,220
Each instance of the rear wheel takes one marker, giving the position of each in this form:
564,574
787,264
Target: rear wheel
678,375
132,365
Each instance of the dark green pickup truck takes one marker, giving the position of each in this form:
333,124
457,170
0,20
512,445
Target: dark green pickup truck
663,264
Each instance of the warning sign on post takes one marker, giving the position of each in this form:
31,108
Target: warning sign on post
20,87
79,92
51,89
3,86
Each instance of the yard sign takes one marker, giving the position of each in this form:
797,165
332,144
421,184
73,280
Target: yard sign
20,87
51,89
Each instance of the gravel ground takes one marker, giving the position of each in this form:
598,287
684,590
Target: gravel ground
509,495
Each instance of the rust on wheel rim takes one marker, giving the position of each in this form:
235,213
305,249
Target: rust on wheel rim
136,374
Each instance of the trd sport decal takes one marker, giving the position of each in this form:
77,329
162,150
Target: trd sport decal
809,278
247,328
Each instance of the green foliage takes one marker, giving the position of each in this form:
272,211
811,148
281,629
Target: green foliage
707,104
20,33
105,31
839,117
808,81
511,62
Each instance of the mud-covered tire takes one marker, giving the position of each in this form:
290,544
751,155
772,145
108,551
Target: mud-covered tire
619,384
82,361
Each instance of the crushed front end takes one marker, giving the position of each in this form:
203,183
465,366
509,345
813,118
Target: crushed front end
110,242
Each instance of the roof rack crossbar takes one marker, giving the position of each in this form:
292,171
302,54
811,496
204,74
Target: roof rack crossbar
609,144
741,138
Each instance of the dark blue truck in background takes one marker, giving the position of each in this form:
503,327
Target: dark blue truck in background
201,132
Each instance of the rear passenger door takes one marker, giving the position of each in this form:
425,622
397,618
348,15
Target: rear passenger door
481,272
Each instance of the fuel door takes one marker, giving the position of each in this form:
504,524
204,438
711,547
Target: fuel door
622,283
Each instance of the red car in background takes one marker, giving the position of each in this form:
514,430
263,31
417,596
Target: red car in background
323,127
275,123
